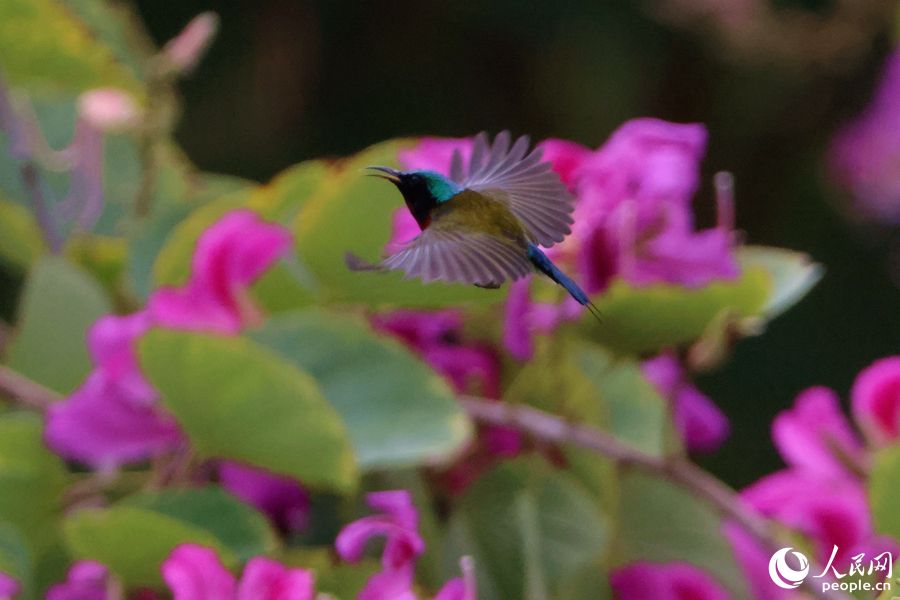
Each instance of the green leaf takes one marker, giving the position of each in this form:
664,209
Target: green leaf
20,239
133,542
884,482
355,213
240,528
659,522
531,530
238,400
42,45
397,410
793,275
59,304
32,481
647,319
15,559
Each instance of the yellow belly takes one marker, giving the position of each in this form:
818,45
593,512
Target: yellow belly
477,212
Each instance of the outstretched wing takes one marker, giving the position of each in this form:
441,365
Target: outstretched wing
462,257
519,179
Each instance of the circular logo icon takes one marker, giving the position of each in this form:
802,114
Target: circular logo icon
782,574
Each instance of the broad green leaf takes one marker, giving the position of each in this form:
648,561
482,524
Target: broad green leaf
397,410
59,304
354,213
793,275
133,542
642,320
32,481
587,384
42,45
659,522
237,526
647,319
236,399
883,485
531,530
15,559
20,238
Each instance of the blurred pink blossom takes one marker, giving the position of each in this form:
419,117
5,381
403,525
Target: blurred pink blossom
701,424
114,417
229,257
9,586
282,498
460,588
865,155
876,400
86,580
814,435
664,581
398,524
434,153
186,49
195,573
108,109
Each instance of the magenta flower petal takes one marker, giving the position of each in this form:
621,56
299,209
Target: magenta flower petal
9,586
434,154
195,573
282,499
102,424
566,158
86,580
865,155
111,342
702,425
517,333
396,585
404,229
753,560
876,400
266,579
229,257
828,511
669,581
815,434
690,259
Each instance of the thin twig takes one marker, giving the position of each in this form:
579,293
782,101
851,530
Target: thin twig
687,475
42,212
26,391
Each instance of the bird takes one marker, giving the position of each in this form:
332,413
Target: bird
486,222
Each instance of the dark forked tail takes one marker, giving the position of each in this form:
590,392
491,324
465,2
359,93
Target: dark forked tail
546,266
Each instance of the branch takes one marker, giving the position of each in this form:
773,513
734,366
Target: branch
687,475
28,392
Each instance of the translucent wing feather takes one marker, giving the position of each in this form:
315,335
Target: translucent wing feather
462,257
519,179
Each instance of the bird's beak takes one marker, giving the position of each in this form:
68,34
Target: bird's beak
388,173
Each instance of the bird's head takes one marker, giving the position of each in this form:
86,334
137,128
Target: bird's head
419,187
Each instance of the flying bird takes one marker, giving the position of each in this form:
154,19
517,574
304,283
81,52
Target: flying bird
483,224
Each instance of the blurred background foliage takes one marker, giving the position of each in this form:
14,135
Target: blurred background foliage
328,78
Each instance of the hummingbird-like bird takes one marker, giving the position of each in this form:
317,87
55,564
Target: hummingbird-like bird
484,223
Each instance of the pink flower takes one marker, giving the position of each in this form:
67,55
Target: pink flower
830,512
815,435
283,499
108,109
702,425
435,153
86,580
566,158
667,581
9,586
398,523
195,573
229,257
753,559
876,400
185,50
114,417
865,155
